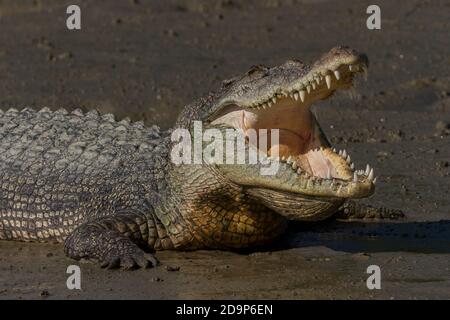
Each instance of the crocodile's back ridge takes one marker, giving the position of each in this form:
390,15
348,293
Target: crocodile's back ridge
59,169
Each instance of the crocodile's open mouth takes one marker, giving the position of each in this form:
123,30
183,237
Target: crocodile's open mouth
301,143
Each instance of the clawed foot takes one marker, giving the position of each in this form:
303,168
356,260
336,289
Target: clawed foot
100,242
352,210
132,259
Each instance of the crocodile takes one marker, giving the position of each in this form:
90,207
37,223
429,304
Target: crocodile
110,192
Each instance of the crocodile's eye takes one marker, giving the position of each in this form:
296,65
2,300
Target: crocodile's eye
227,82
257,69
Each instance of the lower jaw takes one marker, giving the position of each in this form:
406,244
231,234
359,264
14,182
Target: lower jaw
319,162
328,173
336,179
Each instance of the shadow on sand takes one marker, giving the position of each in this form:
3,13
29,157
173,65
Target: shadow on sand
420,237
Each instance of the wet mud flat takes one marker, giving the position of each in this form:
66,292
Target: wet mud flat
147,59
312,272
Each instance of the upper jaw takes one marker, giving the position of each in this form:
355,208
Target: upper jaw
316,85
334,70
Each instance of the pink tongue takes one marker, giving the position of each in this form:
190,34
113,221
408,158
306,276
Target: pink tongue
320,166
289,143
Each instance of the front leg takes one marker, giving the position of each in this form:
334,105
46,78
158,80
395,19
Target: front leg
114,241
354,210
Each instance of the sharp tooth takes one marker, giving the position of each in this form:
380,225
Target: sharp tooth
352,166
374,180
334,150
328,173
302,95
299,170
350,67
348,159
308,88
289,159
296,96
328,80
370,177
337,75
340,152
264,106
269,104
344,154
294,165
317,80
367,170
274,100
313,84
355,177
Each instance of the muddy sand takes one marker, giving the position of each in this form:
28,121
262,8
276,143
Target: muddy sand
147,59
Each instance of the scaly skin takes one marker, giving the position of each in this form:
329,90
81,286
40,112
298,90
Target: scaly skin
109,191
95,183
